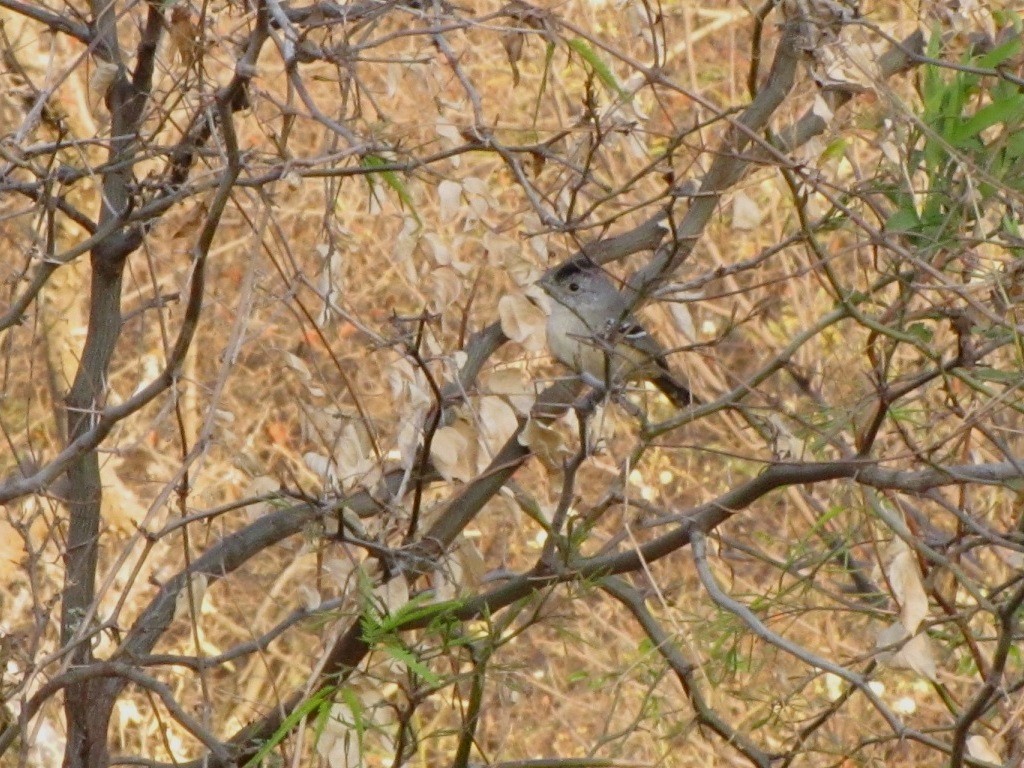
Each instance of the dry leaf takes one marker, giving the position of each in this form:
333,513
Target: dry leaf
682,319
904,577
446,579
473,567
450,195
341,568
12,550
321,466
392,595
511,383
915,654
444,286
185,35
512,42
298,365
451,454
99,83
522,321
497,424
978,747
545,443
746,214
338,743
354,457
195,591
821,109
310,596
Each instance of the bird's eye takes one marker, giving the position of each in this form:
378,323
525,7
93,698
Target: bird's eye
574,287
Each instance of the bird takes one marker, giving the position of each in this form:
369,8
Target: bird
591,330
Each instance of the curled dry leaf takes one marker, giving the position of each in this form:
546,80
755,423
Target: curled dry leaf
473,567
405,243
410,436
522,321
449,194
341,568
453,451
408,385
545,442
338,742
447,578
914,654
497,424
444,287
298,365
978,747
512,42
478,196
500,247
99,83
445,251
538,242
392,595
321,466
354,457
523,271
511,384
904,577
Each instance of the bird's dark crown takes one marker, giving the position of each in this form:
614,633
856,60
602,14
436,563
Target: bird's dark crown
575,267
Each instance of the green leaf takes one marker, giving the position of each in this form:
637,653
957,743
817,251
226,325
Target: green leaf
413,663
355,706
999,54
835,150
314,702
419,607
1008,111
393,180
601,69
921,332
903,220
1002,377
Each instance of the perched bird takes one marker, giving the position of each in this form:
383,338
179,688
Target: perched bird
591,330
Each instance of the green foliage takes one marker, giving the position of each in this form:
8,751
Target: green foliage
319,702
967,149
392,179
604,73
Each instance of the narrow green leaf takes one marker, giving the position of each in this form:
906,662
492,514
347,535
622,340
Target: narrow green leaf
1000,53
314,702
355,706
601,69
393,180
413,663
1009,112
904,220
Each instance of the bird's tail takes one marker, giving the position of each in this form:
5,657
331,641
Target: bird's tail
678,393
